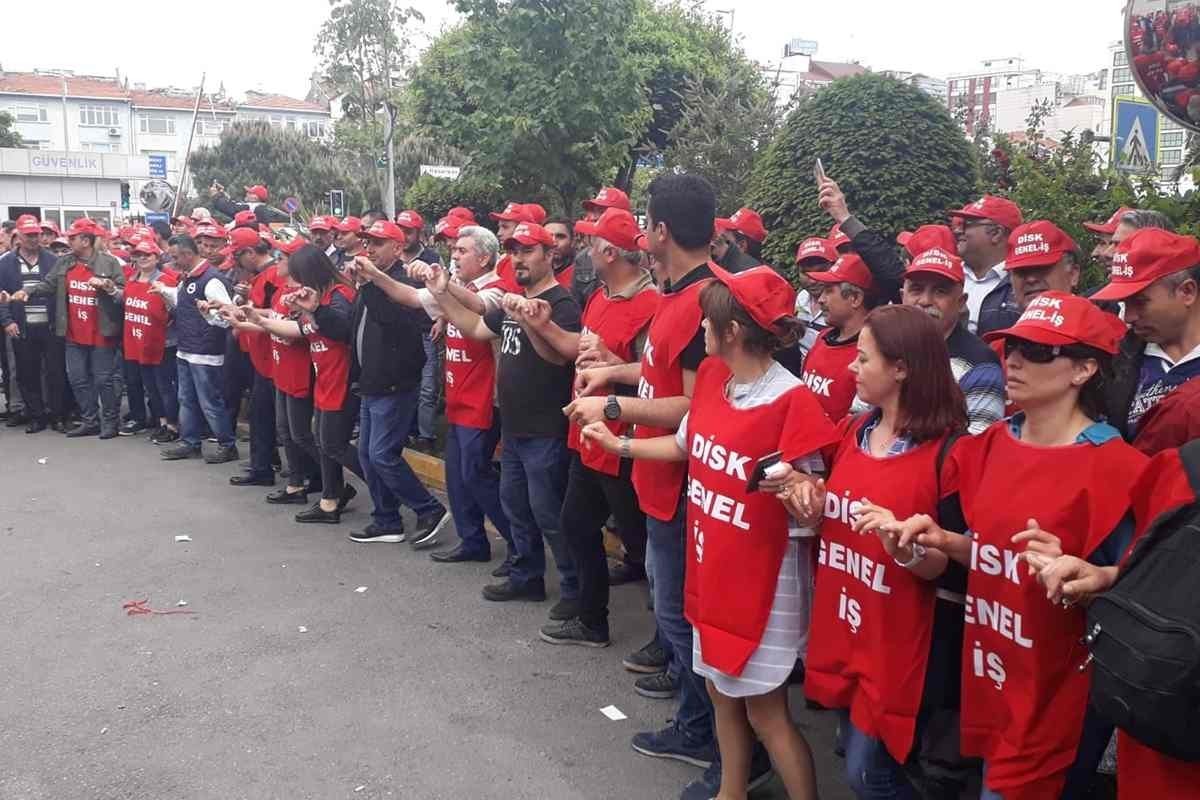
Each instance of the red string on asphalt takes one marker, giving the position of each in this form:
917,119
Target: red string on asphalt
134,608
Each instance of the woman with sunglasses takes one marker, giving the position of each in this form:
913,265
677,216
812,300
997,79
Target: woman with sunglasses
744,589
1049,481
149,338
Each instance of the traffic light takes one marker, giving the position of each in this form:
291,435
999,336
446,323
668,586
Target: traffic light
337,203
125,195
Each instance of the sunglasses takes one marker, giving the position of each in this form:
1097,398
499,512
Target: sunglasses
1035,352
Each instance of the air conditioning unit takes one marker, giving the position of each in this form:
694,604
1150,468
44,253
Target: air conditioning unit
114,131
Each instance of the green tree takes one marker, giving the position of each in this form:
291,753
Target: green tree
288,162
542,94
8,137
433,197
895,152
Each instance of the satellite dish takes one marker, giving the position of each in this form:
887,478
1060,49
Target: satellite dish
1162,46
157,195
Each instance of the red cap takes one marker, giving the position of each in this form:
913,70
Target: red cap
817,249
119,252
836,237
608,197
410,219
47,225
201,215
211,232
849,268
1059,318
246,217
322,223
349,225
147,247
927,237
227,252
765,294
513,212
461,213
1110,227
745,221
1144,257
382,229
616,226
83,225
534,213
244,239
123,232
448,227
996,209
939,262
1038,244
29,224
259,191
530,233
291,246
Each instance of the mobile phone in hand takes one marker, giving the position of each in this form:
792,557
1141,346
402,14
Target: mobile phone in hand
760,470
819,171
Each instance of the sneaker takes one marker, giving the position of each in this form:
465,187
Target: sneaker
374,533
79,431
316,514
574,632
429,526
649,660
131,428
670,742
660,686
708,785
282,497
165,436
534,591
180,451
504,570
564,610
222,455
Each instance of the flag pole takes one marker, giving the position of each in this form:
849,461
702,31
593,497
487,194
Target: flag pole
188,153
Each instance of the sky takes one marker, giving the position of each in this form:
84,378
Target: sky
268,46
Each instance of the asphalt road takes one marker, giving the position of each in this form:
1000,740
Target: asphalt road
415,688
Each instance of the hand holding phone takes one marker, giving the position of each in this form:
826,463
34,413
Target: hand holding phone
819,171
760,470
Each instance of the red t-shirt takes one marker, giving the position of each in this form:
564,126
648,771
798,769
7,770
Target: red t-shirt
146,319
827,373
83,312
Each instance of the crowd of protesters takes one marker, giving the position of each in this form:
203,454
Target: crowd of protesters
899,486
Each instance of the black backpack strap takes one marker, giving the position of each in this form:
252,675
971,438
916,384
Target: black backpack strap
944,451
1189,454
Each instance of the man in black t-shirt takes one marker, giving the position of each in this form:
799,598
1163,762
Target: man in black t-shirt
532,387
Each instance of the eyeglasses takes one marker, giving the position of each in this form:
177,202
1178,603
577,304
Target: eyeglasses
1036,352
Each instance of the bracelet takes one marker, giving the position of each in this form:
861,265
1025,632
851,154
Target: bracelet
626,447
918,555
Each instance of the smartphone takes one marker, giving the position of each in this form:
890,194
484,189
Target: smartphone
760,470
819,171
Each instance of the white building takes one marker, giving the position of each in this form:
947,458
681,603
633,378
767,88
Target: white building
934,87
76,116
974,94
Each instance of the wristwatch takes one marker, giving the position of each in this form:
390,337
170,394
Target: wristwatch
918,555
612,409
626,444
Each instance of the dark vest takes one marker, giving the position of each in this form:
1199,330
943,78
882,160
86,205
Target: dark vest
192,331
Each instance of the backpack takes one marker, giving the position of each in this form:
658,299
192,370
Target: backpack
1144,633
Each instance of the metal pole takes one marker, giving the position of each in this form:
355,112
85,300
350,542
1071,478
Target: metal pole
389,200
188,153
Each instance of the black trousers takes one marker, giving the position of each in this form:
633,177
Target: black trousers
590,498
238,376
60,400
262,426
294,427
30,352
333,441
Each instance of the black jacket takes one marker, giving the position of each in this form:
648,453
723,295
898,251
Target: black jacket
1119,394
880,256
11,281
264,213
388,356
735,260
999,308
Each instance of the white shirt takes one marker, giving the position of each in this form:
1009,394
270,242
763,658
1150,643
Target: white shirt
491,297
1154,350
978,288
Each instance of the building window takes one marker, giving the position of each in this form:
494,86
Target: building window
99,116
30,144
1122,89
291,123
28,113
1120,59
1122,75
1168,124
314,128
98,147
1170,157
1172,139
210,127
277,121
155,123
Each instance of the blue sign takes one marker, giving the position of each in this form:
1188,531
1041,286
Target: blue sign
1135,136
157,216
291,205
158,166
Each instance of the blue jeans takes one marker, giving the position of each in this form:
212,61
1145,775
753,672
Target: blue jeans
533,481
431,376
161,384
201,399
474,487
91,371
666,566
383,425
871,771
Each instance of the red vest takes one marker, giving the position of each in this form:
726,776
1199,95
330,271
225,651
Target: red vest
470,380
258,344
618,323
565,276
83,311
146,318
293,366
872,620
675,322
827,373
1023,696
330,360
737,539
506,271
